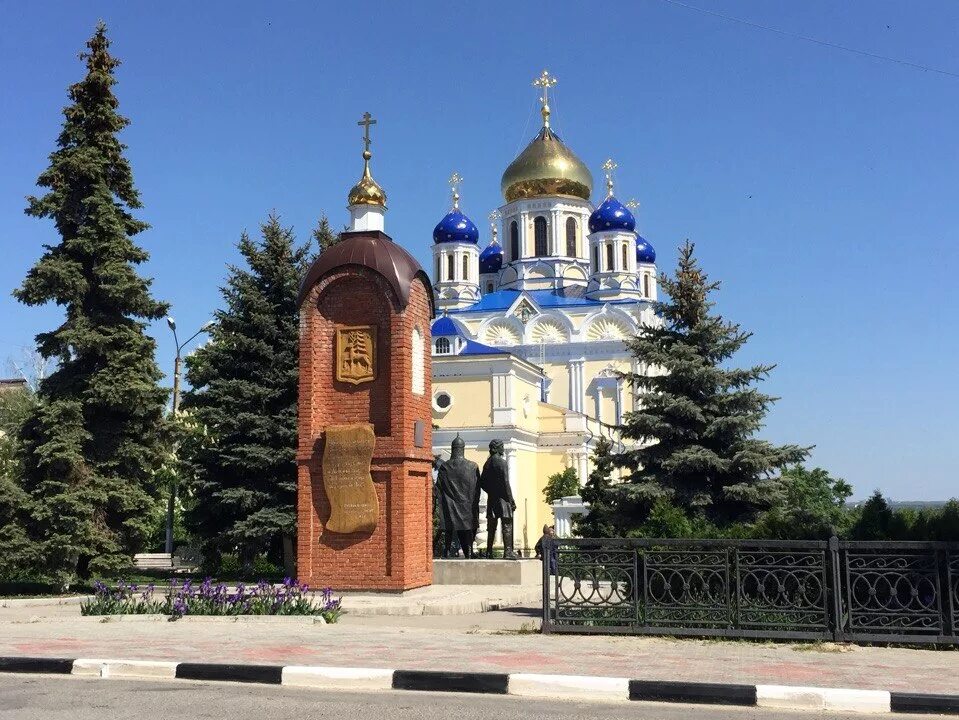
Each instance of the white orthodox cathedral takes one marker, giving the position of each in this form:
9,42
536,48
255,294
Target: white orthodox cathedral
530,330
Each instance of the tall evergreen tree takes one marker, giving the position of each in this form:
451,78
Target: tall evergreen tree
601,519
94,440
244,393
698,417
18,555
324,235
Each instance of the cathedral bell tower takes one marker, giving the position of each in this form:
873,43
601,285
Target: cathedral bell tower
612,243
455,256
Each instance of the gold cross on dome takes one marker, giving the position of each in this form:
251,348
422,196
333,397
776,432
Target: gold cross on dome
454,181
545,81
609,166
493,217
366,122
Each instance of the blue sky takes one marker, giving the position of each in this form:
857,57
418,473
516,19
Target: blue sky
820,186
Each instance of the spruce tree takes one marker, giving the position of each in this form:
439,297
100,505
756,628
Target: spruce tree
601,519
323,234
95,437
244,393
18,555
698,418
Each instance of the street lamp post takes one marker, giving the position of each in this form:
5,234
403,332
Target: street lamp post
177,363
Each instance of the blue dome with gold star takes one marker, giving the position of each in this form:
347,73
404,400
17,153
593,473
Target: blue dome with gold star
645,253
455,227
491,259
611,215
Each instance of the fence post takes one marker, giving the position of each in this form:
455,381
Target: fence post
835,578
547,556
947,608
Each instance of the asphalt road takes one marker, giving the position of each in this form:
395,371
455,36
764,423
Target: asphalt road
35,697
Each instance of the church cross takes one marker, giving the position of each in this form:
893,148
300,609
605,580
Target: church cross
609,166
545,81
455,180
366,122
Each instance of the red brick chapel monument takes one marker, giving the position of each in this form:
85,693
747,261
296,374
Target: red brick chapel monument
364,507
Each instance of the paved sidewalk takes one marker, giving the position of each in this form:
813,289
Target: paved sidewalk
490,642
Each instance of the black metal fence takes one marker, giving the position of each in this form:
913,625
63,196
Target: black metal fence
829,590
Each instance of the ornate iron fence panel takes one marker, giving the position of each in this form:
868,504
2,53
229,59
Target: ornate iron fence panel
901,592
686,587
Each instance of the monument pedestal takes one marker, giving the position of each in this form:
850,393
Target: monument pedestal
487,572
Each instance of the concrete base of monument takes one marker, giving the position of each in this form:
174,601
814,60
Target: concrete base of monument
488,572
442,600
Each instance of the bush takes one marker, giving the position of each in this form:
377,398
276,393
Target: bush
290,598
560,485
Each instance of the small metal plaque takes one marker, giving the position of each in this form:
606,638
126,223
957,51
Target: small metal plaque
356,354
419,433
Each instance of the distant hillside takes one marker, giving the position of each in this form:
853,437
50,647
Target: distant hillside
899,504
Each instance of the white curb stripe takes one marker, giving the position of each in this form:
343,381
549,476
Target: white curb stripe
569,686
147,669
337,678
786,697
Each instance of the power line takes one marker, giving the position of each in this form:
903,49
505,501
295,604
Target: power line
817,41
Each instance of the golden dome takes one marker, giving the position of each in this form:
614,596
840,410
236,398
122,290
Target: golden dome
546,167
367,191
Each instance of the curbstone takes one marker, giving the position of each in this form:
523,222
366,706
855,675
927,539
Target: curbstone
569,686
787,697
43,602
337,678
57,666
574,687
440,681
864,701
127,669
924,703
705,693
267,674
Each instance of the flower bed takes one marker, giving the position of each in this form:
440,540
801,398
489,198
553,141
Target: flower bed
207,598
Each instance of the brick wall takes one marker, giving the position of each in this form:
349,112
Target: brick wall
397,555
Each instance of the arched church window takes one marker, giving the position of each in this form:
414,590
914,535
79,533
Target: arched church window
513,241
625,258
466,267
609,257
646,286
571,237
595,259
539,237
489,287
418,363
449,267
442,346
438,278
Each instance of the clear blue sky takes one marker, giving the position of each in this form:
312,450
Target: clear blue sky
820,186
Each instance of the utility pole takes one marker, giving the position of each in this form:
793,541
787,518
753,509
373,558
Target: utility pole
177,364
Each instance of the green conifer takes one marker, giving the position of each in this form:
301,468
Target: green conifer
95,438
698,417
601,519
244,393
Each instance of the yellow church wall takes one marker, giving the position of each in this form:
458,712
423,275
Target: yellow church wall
471,402
559,387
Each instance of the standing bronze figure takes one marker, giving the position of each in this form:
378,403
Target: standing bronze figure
458,486
499,500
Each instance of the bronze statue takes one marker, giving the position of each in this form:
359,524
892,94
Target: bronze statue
458,486
499,500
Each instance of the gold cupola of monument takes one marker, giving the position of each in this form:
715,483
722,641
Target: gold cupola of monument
367,191
546,166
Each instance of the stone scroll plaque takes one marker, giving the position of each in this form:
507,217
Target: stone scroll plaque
347,454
